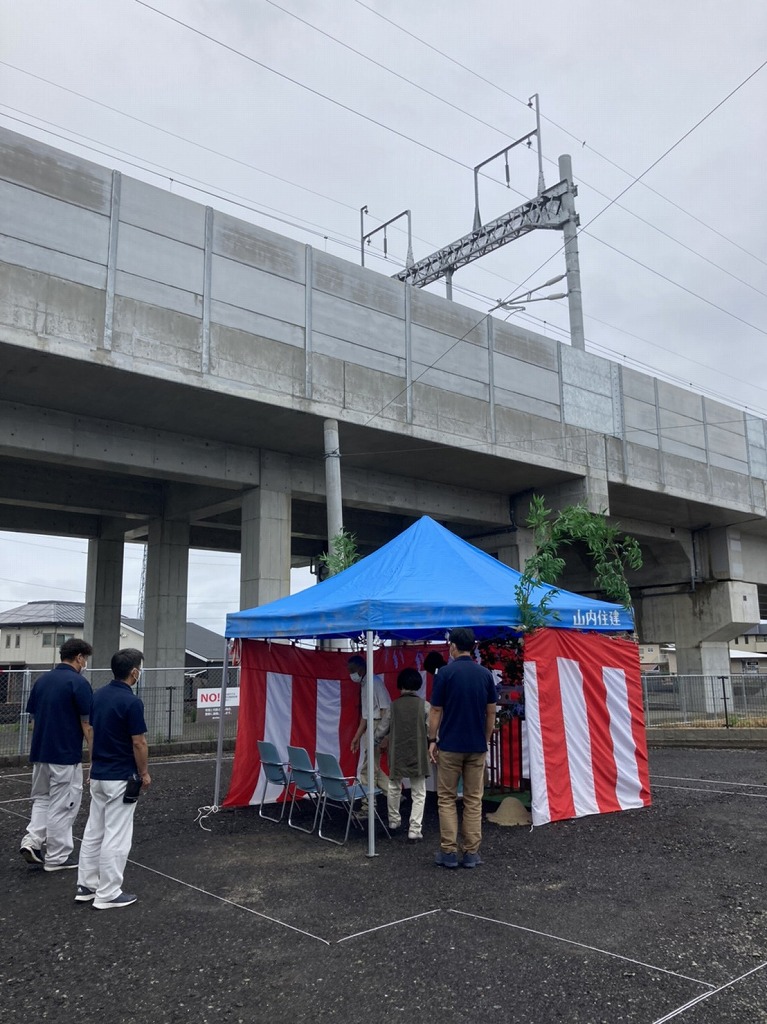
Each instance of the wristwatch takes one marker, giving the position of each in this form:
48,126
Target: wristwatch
432,739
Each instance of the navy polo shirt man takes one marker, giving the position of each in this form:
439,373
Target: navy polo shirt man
60,705
120,756
461,724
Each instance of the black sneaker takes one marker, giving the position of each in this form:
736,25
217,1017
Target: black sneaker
31,855
64,865
446,860
84,895
122,899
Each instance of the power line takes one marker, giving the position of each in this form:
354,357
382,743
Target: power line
582,142
341,242
171,134
331,199
670,280
380,124
316,92
500,131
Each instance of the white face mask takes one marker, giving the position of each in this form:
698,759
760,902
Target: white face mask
138,678
355,677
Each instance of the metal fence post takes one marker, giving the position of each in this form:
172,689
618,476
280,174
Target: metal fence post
723,680
170,712
645,700
26,686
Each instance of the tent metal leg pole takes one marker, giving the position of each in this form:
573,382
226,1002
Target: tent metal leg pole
221,712
370,737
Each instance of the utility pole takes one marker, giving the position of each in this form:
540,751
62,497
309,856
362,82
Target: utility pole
572,262
142,587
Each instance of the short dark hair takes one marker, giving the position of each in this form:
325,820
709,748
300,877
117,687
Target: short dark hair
124,661
74,646
409,679
357,659
433,661
462,637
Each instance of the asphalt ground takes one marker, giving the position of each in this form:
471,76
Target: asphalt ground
643,917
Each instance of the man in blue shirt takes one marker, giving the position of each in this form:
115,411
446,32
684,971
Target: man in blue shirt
461,724
119,755
60,704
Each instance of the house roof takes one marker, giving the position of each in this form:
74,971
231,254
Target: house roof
202,643
45,613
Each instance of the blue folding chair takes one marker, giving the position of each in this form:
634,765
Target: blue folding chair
275,771
342,791
304,777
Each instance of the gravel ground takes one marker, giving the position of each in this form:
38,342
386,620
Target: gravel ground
621,918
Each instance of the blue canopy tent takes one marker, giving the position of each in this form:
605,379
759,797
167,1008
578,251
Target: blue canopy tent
414,588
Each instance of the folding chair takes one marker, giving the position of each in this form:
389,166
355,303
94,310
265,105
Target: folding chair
274,771
342,791
304,777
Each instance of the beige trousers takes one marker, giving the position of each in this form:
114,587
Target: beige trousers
452,767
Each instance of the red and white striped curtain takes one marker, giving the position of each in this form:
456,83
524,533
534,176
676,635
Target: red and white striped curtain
304,698
585,723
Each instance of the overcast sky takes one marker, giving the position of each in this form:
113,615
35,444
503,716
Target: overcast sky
295,114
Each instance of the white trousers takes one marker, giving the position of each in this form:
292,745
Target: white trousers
418,795
57,792
107,840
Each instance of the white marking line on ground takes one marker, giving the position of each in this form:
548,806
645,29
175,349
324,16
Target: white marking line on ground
17,800
231,903
378,928
707,995
713,792
197,888
716,782
583,945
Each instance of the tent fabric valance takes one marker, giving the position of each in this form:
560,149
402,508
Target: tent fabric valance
414,588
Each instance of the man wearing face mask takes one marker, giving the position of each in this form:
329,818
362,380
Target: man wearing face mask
60,705
381,709
120,756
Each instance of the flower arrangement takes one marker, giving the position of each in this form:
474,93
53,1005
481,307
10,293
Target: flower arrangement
505,660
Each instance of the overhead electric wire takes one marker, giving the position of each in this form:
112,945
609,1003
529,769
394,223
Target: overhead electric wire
442,99
324,235
665,277
348,206
582,142
315,92
173,135
351,244
655,163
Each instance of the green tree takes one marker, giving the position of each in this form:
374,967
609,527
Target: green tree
610,552
343,553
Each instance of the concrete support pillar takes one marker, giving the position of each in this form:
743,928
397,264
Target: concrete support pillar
265,535
700,624
706,659
103,595
167,572
517,553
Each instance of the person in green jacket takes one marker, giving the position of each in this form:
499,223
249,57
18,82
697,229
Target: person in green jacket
408,751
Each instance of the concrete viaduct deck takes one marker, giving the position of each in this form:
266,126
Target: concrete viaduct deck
166,370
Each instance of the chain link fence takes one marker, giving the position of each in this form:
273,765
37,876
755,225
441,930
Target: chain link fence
734,701
180,704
